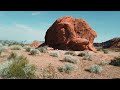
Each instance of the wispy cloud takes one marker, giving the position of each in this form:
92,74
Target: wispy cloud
22,26
35,13
21,32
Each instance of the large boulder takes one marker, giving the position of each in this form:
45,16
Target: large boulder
68,33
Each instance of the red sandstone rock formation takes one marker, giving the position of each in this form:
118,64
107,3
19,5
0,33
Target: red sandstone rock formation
70,33
35,44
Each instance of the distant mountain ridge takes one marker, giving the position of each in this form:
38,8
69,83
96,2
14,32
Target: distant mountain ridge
112,43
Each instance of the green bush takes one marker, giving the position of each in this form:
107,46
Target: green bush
71,59
43,49
4,68
12,55
49,72
99,49
82,54
117,50
67,68
115,62
17,68
34,52
104,63
55,54
70,53
87,57
5,48
1,45
28,48
46,47
16,47
1,50
96,69
105,51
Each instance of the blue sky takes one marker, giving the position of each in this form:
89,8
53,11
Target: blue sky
32,25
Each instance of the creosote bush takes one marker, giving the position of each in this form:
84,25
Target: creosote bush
35,52
96,69
18,68
67,68
115,62
1,50
55,54
71,59
82,54
43,49
70,53
12,55
49,72
105,51
16,47
103,63
87,57
28,48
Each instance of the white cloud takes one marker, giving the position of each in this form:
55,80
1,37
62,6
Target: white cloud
21,32
35,13
23,27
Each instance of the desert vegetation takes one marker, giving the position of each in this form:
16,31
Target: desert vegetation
67,68
95,69
17,67
20,61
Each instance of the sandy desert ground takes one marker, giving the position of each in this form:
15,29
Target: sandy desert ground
81,68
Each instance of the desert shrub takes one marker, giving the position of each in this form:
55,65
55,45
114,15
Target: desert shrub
96,69
87,57
34,52
16,47
104,63
67,68
71,59
12,55
4,68
82,54
1,45
17,68
46,47
6,45
70,53
49,72
1,50
5,48
24,47
105,51
43,49
116,49
99,49
115,62
28,48
55,54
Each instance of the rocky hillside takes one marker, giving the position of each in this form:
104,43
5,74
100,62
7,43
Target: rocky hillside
112,43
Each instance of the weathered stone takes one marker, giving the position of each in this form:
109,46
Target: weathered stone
70,33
